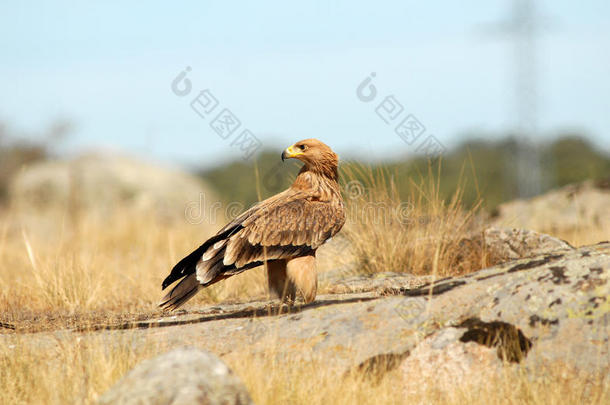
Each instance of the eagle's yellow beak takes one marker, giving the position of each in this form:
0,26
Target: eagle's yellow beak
291,152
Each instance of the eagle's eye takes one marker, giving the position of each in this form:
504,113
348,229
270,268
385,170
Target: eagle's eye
302,147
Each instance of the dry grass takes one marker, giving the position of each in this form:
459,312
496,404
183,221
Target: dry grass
78,369
59,271
423,234
71,371
316,384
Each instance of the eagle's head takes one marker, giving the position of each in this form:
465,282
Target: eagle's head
316,155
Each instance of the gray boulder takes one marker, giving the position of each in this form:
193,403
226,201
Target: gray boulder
182,376
512,243
450,363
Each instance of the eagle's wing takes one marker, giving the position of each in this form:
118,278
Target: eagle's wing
290,224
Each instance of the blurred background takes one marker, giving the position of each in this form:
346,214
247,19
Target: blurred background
513,96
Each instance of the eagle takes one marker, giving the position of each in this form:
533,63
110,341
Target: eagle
282,232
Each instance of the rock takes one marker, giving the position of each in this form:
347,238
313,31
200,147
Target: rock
503,244
100,184
509,244
182,376
558,301
340,283
449,363
577,206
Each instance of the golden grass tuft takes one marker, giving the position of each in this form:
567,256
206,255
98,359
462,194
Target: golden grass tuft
72,370
57,271
314,382
420,234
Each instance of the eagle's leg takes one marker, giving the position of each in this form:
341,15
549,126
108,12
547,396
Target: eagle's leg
302,276
279,284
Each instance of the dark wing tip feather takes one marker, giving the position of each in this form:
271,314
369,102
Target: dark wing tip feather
187,265
180,294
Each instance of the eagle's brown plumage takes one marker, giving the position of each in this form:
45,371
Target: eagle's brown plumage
284,231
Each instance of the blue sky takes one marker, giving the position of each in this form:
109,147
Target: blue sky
290,70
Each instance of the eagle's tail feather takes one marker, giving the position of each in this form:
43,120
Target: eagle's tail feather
180,293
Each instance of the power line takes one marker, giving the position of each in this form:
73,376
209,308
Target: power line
524,25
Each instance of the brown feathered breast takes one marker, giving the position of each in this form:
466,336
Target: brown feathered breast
290,224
